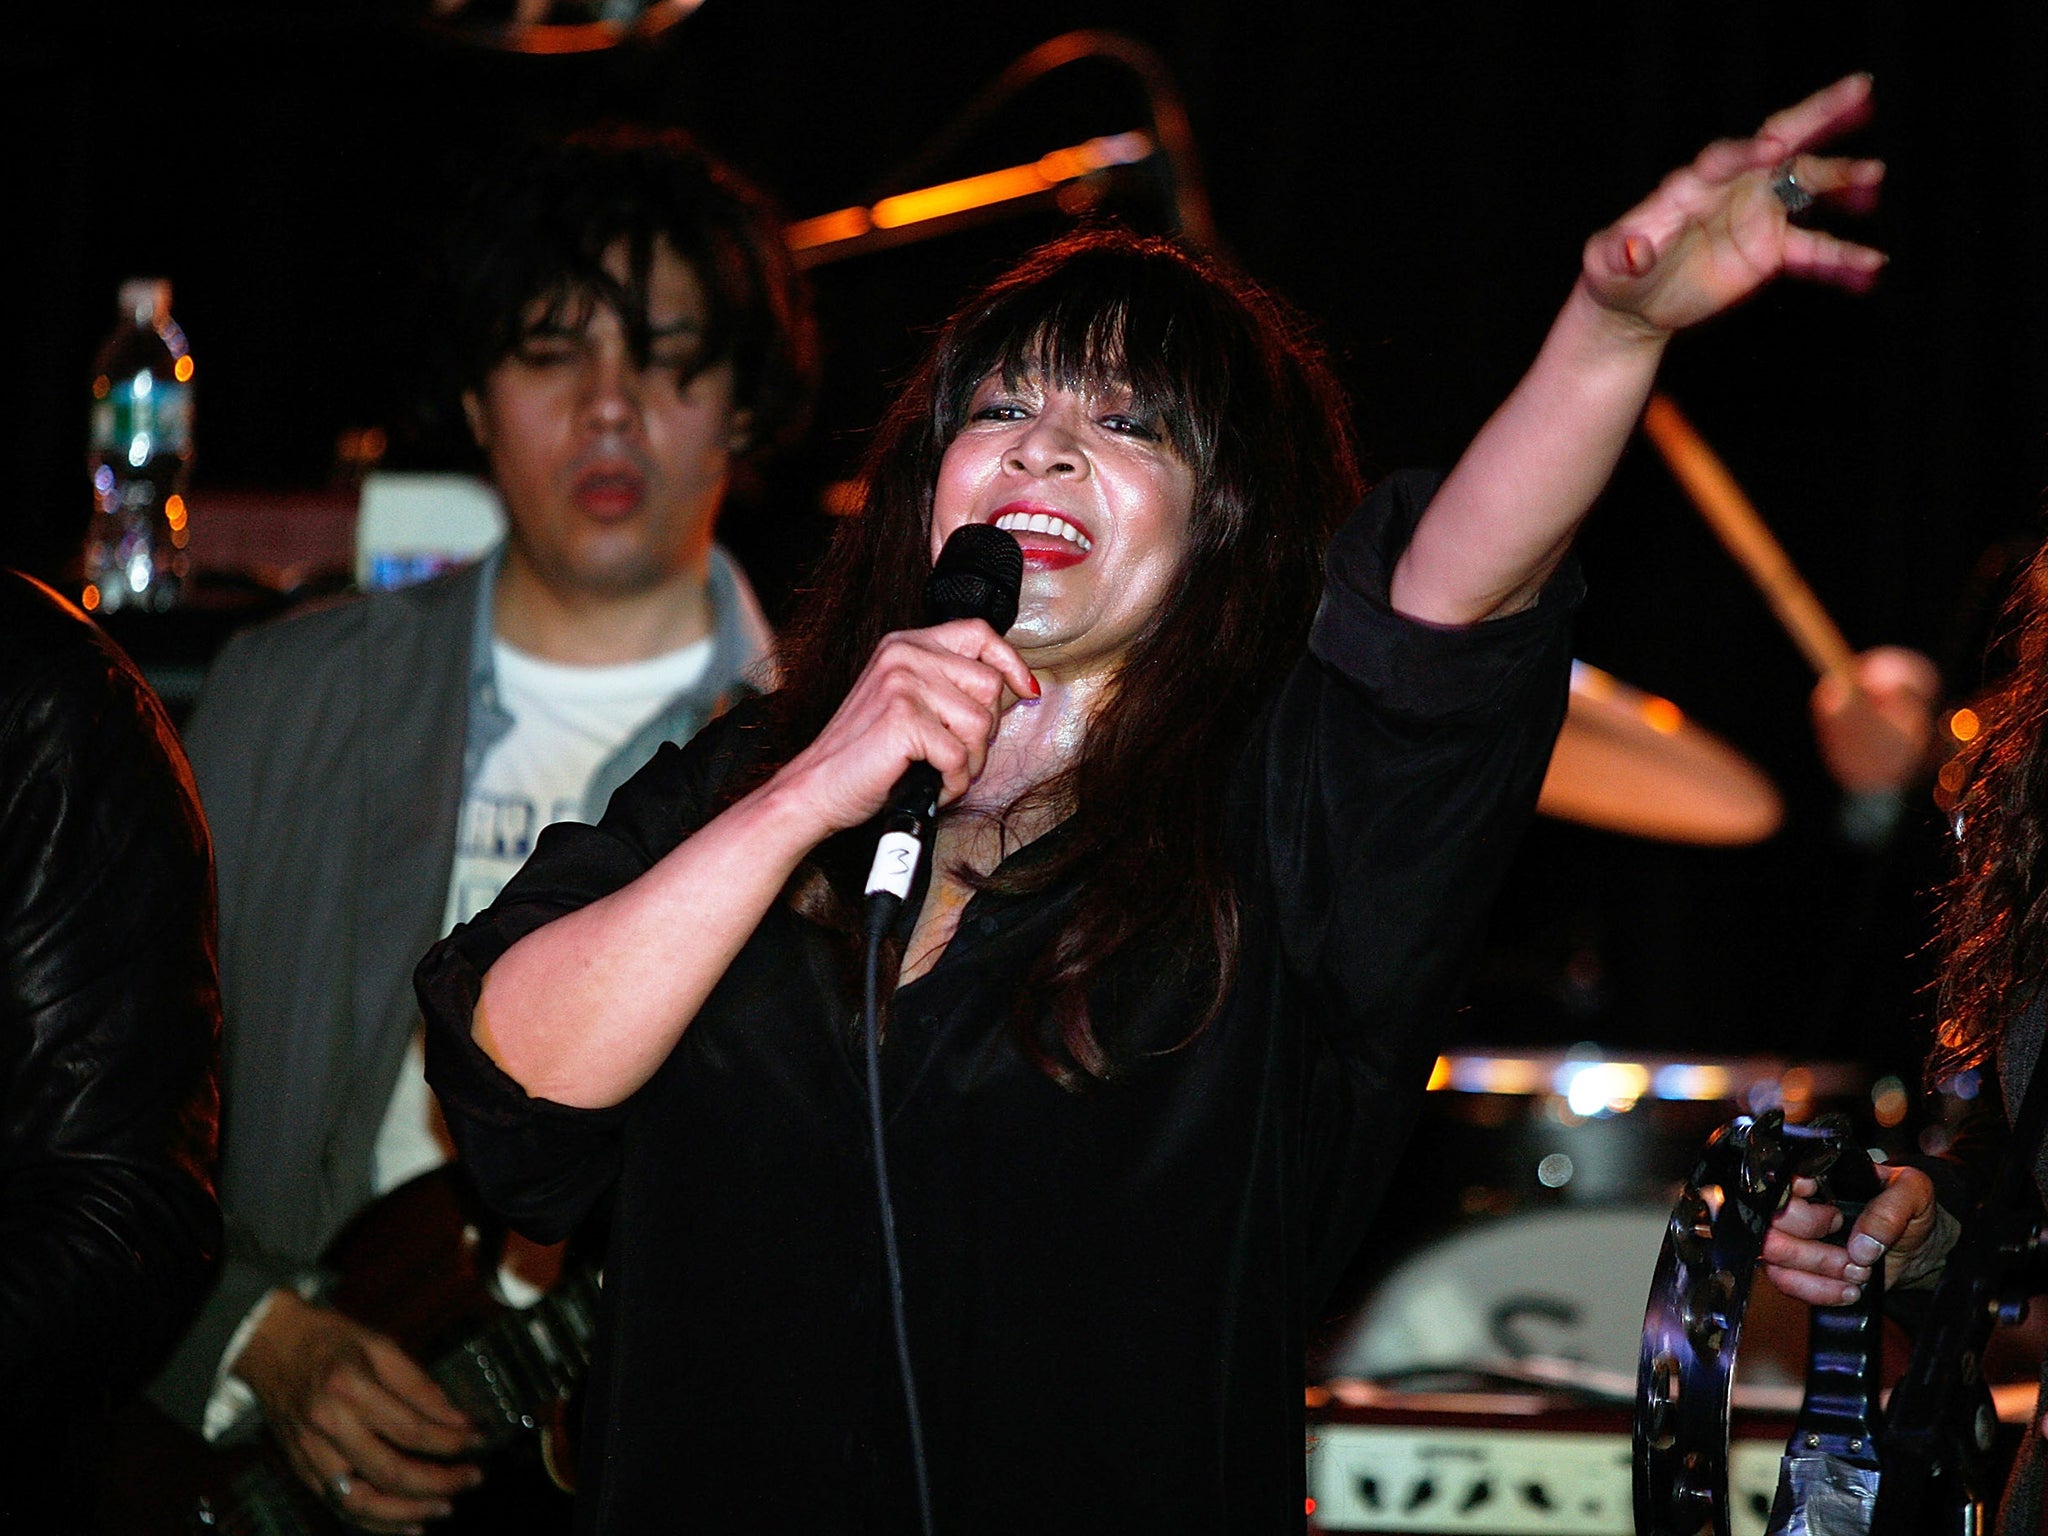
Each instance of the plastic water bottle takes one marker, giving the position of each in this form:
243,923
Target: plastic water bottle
140,456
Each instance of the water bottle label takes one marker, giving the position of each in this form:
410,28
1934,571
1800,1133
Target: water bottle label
142,417
173,416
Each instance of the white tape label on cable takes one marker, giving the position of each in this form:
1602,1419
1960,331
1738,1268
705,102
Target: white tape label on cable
895,865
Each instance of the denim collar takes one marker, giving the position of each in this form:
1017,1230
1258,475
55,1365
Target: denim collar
742,660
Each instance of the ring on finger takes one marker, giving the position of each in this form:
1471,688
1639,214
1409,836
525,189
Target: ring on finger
341,1485
1786,189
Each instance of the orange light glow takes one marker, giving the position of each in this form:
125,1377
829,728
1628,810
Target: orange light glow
180,537
844,498
89,599
100,386
1315,1397
846,224
1311,1506
1951,776
567,37
1663,716
1514,1075
174,511
181,370
1888,1102
1964,725
971,192
1796,1088
959,196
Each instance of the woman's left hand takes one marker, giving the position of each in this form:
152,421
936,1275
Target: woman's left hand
1711,235
1714,231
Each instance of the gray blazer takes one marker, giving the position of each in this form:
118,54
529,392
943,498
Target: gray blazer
329,751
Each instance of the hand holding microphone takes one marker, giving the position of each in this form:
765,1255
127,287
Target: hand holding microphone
930,695
977,576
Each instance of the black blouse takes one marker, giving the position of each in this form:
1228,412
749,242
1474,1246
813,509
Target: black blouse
1107,1291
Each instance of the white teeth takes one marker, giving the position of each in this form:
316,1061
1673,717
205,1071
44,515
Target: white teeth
1044,522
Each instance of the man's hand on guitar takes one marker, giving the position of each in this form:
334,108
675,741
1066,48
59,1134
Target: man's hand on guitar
364,1425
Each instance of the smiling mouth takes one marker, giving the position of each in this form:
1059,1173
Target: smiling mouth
1048,523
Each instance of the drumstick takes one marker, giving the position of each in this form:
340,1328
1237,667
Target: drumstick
1743,533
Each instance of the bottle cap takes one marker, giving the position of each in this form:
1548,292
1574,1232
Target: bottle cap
147,300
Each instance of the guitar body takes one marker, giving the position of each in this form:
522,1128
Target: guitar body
419,1265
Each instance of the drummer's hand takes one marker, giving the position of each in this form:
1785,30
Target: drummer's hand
933,695
1876,737
1893,1227
1713,232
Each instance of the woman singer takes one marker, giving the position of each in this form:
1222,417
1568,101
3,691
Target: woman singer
1222,814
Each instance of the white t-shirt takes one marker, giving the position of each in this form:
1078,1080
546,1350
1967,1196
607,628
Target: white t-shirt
566,723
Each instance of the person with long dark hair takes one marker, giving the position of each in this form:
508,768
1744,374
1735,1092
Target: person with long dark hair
1222,815
1991,943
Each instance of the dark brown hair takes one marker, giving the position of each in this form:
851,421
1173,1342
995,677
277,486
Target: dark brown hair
537,221
1249,405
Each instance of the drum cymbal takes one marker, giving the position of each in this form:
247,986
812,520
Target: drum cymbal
1628,761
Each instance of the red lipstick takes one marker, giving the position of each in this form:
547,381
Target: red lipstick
1060,540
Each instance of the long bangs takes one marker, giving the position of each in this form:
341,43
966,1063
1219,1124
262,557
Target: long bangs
1244,398
539,220
566,272
1100,312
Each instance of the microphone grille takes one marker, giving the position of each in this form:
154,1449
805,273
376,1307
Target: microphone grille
976,577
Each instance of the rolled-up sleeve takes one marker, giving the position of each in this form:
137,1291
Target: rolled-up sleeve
1398,771
1399,768
540,1164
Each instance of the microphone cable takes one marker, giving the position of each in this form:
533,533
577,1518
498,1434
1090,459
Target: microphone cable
881,912
977,575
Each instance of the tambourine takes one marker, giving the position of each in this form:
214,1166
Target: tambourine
1693,1325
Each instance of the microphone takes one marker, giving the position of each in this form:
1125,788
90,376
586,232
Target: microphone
976,576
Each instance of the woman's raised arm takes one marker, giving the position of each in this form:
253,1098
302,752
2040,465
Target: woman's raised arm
1712,233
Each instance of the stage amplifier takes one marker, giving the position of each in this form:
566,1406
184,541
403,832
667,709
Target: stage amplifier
1503,1465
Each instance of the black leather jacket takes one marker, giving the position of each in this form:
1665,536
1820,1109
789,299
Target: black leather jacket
109,1025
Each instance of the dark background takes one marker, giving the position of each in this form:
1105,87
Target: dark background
1418,177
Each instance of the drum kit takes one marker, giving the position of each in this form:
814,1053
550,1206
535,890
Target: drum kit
1630,762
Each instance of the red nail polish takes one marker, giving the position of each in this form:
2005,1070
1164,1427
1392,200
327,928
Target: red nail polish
1037,690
